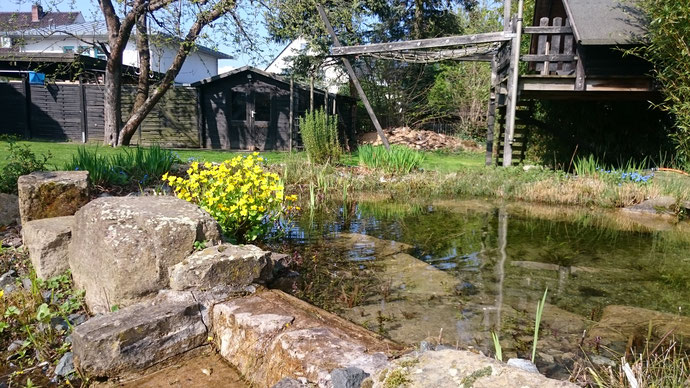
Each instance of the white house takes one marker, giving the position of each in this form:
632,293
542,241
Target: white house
86,37
333,76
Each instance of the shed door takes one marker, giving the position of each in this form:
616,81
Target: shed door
261,119
239,131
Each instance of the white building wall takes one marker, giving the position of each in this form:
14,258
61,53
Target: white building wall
334,76
197,66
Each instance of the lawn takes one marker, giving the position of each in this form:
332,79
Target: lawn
61,153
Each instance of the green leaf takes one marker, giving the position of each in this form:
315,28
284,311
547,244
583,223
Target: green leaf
43,314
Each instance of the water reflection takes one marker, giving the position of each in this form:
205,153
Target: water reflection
459,270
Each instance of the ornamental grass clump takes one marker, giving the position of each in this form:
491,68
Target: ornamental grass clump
320,136
245,199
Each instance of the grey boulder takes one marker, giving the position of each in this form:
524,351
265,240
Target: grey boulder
45,194
231,265
48,243
122,247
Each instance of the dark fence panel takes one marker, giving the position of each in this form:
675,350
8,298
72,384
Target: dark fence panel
13,109
55,113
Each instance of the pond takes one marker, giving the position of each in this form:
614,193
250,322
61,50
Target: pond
453,272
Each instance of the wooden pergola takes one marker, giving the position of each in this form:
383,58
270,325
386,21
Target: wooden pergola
556,62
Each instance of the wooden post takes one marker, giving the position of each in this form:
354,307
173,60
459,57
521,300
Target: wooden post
27,105
491,114
353,78
82,106
512,90
506,14
311,94
291,115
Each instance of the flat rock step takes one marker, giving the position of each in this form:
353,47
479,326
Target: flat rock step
271,335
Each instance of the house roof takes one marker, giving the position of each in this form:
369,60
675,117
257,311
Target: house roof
605,22
96,29
61,65
11,21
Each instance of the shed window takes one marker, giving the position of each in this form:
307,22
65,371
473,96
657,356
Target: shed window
262,107
68,49
238,109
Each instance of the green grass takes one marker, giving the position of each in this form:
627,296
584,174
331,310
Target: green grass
61,153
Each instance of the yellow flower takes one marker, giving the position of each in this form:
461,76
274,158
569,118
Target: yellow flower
165,177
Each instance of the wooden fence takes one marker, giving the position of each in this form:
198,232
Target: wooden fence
74,112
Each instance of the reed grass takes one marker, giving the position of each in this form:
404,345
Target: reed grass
537,322
399,160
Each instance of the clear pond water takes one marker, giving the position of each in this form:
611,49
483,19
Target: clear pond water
451,272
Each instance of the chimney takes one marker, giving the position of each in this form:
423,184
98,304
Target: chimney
36,13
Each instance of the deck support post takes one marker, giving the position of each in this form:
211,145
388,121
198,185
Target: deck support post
491,113
353,78
512,89
291,116
506,14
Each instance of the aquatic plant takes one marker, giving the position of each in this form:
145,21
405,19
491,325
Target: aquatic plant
399,160
245,199
537,321
497,346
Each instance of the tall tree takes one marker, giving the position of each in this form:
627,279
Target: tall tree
120,25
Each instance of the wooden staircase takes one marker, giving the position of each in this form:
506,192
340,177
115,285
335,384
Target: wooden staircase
523,121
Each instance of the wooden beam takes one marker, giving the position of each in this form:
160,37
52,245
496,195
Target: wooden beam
548,58
548,30
449,41
354,79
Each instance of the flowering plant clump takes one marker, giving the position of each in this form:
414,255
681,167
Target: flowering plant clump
624,177
244,198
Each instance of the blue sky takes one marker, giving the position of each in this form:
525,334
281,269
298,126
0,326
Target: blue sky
91,11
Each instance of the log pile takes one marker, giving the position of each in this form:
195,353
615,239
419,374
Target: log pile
420,140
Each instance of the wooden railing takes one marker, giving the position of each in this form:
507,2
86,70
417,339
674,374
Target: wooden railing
555,49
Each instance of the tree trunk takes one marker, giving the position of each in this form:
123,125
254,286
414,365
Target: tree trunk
168,80
143,82
112,109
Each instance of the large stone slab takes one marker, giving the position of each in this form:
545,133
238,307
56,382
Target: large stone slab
139,336
122,247
271,335
9,209
48,242
458,368
225,264
52,194
623,325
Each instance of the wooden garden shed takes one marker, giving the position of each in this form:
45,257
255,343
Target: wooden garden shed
250,109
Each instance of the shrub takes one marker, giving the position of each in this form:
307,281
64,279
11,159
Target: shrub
137,165
244,198
21,161
399,160
668,28
320,136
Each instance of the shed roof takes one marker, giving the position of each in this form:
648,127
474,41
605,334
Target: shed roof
606,22
254,70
